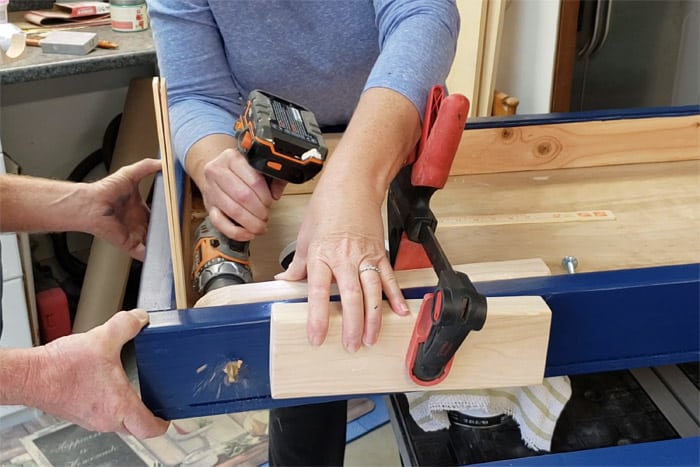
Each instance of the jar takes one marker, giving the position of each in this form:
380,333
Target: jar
3,11
128,15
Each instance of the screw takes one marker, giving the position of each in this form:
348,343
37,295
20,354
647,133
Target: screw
570,263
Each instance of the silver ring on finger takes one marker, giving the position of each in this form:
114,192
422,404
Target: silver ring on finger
370,267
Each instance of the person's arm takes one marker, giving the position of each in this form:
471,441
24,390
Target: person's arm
342,234
32,204
80,378
204,104
111,208
349,199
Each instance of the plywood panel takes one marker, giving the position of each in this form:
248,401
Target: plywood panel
160,100
465,73
654,217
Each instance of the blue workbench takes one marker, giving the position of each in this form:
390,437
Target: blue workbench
601,321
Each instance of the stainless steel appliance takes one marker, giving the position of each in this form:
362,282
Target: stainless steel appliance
636,53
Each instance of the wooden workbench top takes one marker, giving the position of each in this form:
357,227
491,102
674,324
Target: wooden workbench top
655,218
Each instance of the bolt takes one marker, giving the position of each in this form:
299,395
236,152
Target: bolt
570,263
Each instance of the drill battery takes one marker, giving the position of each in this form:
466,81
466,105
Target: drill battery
281,139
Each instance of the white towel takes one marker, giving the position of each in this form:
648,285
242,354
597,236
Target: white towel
536,408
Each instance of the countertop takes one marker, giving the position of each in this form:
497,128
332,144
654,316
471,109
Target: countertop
135,48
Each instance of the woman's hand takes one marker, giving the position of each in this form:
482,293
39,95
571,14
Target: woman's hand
236,196
235,191
342,234
342,239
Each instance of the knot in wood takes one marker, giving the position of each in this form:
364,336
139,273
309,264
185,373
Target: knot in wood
547,148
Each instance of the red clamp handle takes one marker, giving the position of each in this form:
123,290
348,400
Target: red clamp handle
440,140
429,313
443,126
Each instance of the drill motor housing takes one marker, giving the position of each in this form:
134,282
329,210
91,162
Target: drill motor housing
217,260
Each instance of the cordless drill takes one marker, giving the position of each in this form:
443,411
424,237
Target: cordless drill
280,139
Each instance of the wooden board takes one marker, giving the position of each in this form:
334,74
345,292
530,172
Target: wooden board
465,73
656,221
493,30
160,100
286,290
510,350
566,145
579,144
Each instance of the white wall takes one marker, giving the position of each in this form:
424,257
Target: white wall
528,46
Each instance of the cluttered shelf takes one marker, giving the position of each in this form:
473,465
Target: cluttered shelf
134,49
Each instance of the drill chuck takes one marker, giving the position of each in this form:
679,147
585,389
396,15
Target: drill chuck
219,272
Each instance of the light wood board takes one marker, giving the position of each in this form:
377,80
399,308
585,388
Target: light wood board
160,99
656,209
510,350
285,290
566,145
465,73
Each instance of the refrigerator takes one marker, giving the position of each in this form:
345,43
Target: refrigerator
636,53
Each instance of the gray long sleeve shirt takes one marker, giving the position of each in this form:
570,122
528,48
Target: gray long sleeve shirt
319,53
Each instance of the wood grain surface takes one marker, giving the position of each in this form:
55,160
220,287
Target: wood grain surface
510,350
656,208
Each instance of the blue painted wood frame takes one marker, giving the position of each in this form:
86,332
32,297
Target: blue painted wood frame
600,321
683,451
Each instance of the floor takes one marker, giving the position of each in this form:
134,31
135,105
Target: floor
376,448
43,440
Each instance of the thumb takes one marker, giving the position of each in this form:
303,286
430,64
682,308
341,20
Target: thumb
125,325
141,423
143,168
277,188
295,272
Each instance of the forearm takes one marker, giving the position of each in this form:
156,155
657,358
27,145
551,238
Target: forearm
382,132
16,384
29,204
205,150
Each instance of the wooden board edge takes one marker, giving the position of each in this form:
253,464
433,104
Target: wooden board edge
160,101
286,290
527,147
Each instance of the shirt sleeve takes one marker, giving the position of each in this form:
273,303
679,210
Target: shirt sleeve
417,39
202,97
